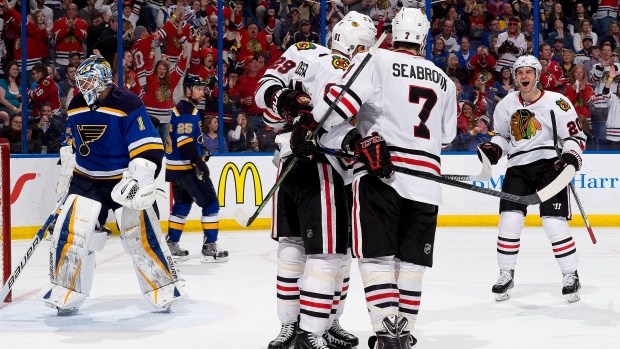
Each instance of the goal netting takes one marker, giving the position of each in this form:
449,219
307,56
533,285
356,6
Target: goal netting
5,215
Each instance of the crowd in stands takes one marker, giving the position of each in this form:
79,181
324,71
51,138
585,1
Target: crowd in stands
474,41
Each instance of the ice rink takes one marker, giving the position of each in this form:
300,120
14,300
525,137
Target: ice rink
233,304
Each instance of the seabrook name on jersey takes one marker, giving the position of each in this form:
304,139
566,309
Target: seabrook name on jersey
420,73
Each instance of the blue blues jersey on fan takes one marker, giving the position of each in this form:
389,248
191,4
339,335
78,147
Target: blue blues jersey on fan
107,137
183,146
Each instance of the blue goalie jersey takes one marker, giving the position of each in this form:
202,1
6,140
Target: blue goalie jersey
183,145
106,138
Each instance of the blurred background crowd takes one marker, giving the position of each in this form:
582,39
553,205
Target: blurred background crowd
474,41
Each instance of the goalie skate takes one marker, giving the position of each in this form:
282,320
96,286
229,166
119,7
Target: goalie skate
571,287
503,285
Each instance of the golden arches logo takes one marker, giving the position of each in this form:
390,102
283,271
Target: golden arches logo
240,177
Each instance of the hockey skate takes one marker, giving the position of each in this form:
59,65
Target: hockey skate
503,285
335,343
286,338
571,287
212,253
178,253
393,336
107,230
339,333
308,340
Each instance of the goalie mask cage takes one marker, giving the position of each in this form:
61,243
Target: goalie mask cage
5,215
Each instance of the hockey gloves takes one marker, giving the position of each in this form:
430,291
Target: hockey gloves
492,151
568,158
303,126
201,170
373,152
289,103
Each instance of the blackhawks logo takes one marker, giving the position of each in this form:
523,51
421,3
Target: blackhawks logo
563,104
162,94
304,45
340,63
523,125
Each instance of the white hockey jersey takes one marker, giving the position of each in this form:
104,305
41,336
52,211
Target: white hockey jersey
525,133
411,103
613,117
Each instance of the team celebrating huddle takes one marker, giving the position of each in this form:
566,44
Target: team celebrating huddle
355,119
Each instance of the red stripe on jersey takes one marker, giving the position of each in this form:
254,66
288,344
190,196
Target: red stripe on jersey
355,227
409,302
328,208
345,288
315,305
572,244
508,246
284,288
344,101
416,163
382,296
336,302
272,116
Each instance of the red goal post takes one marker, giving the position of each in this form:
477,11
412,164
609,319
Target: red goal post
5,214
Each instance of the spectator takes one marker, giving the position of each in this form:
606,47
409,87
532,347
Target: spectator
583,55
593,58
267,139
460,27
86,13
210,136
510,44
253,41
606,13
70,33
559,33
55,130
451,41
504,85
439,53
39,5
305,34
380,11
161,80
495,8
68,88
36,36
162,14
482,67
568,57
289,26
12,131
465,53
98,25
493,30
545,7
246,86
523,9
613,121
310,8
579,14
585,28
143,48
558,81
598,76
175,32
492,50
579,92
504,18
613,36
11,90
482,103
130,78
454,69
46,90
556,14
440,9
558,50
466,120
128,14
107,43
476,23
361,6
242,138
333,20
469,141
528,29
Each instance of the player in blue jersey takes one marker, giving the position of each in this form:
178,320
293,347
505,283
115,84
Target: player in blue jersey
110,158
186,168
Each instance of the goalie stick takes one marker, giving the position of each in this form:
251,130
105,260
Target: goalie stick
240,216
570,185
540,196
32,247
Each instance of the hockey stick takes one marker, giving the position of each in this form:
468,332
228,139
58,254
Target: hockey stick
483,176
240,216
570,185
33,246
541,196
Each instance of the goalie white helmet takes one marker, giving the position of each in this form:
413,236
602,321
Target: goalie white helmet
354,30
527,61
93,76
410,25
137,190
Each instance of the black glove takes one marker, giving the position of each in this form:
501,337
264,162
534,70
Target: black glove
374,153
202,171
568,158
289,103
303,127
206,155
492,151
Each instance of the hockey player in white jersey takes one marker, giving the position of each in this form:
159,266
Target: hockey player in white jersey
311,274
407,111
524,132
613,119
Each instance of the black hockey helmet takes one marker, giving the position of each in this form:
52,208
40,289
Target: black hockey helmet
193,80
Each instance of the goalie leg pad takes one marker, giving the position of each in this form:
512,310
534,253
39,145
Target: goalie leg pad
142,238
71,258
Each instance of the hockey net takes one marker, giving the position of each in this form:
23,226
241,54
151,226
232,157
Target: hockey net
5,215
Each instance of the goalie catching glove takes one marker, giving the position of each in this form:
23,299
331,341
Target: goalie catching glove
303,126
492,151
289,103
137,190
373,152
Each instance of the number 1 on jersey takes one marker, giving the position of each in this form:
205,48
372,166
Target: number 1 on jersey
430,99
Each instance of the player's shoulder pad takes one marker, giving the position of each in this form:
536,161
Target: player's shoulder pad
340,62
122,100
185,108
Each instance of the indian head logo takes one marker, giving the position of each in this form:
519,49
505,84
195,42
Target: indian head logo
523,125
562,104
304,45
340,63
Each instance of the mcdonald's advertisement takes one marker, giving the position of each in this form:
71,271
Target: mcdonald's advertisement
243,181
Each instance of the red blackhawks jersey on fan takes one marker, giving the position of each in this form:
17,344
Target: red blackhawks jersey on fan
525,132
141,52
69,40
46,91
411,103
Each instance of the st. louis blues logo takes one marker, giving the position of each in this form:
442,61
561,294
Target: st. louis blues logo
88,134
